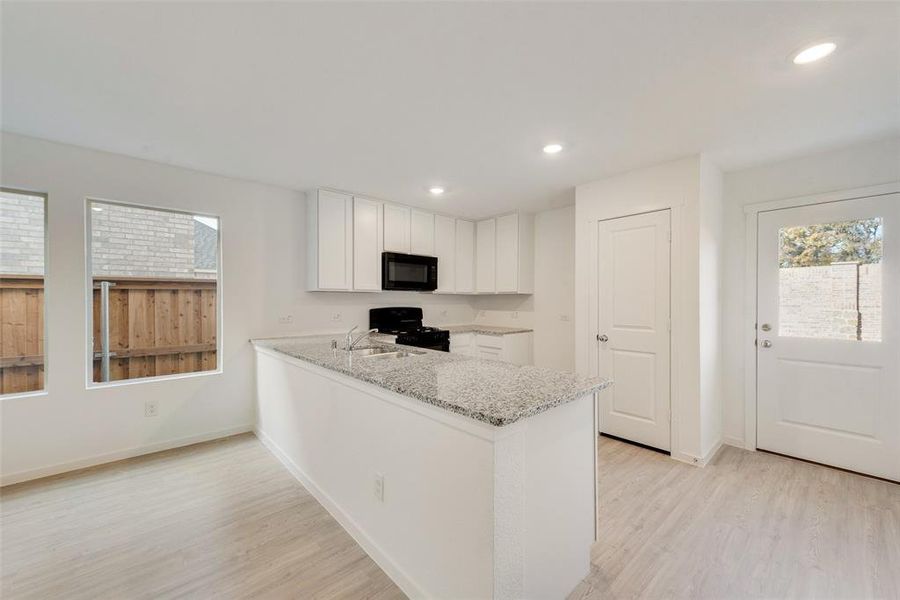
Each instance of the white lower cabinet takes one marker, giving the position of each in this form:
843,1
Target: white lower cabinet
512,347
462,343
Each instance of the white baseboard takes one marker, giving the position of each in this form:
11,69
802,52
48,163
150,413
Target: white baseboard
697,461
387,564
99,459
733,440
711,454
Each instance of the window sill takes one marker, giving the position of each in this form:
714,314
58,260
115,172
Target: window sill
17,395
91,385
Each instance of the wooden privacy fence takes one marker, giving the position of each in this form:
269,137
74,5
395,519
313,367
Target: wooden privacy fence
156,327
21,333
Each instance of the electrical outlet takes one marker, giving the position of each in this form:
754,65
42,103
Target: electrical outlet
564,318
443,313
379,487
514,314
482,313
286,319
151,408
336,316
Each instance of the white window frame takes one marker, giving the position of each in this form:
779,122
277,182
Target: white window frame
46,197
89,299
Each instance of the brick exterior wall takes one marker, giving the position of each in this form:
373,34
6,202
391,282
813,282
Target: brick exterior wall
21,234
820,302
125,241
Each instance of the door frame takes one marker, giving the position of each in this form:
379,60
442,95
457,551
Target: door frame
748,321
675,287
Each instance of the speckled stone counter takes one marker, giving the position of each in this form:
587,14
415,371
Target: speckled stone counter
490,391
485,329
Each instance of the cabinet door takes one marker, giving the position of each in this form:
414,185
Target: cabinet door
367,242
445,250
334,239
507,253
485,256
421,234
490,353
396,228
461,343
465,257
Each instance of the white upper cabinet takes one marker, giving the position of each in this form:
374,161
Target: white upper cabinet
486,256
421,235
515,254
465,257
347,235
445,250
507,253
368,226
330,231
396,228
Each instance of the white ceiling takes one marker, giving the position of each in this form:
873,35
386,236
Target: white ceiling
388,99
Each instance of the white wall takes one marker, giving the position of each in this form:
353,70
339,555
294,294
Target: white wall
846,168
711,281
554,286
688,187
263,259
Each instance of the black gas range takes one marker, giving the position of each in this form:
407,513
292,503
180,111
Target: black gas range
406,323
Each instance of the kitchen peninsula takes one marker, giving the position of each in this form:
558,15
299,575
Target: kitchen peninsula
461,477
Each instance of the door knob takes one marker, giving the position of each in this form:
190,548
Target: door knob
766,344
602,338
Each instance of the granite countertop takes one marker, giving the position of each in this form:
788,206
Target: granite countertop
485,329
490,391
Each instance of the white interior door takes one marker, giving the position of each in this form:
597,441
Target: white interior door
828,343
633,337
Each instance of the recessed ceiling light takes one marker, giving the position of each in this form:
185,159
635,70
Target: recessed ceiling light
552,148
436,190
814,53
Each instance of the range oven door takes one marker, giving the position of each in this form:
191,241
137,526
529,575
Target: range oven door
410,272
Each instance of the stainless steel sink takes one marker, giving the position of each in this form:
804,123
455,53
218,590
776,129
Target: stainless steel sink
369,351
396,354
383,353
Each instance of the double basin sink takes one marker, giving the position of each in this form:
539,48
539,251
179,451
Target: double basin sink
381,352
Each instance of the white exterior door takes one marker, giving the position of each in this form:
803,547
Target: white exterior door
828,338
633,338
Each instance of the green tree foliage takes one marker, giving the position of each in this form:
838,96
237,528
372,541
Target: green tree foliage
826,243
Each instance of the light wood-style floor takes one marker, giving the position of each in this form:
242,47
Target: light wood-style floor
749,525
225,520
217,520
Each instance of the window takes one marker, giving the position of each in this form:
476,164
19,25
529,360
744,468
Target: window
830,280
22,270
154,276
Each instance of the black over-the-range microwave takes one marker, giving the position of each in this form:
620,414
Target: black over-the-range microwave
411,272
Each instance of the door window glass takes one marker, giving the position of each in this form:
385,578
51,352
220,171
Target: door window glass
829,280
